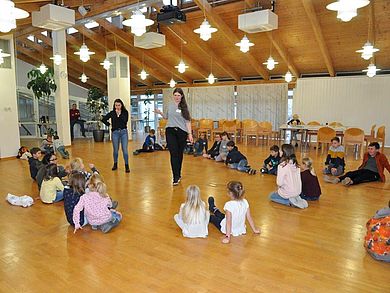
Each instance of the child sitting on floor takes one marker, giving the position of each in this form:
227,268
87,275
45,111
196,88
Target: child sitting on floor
236,160
193,216
213,152
77,165
311,189
47,144
335,163
35,162
72,194
272,162
200,146
59,147
96,204
24,153
377,240
52,188
288,180
223,151
150,144
236,209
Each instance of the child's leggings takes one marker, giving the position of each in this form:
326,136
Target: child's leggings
217,218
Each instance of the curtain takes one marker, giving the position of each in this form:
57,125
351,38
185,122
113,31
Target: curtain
265,102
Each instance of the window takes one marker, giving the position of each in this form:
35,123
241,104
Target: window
112,70
5,46
290,104
124,67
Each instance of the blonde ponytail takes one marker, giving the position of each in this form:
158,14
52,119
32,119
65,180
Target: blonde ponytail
308,162
96,183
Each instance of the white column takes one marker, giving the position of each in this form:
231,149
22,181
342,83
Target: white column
118,82
62,92
9,121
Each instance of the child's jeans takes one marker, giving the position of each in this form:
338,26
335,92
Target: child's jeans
275,197
59,196
63,152
241,166
198,149
272,171
221,157
328,170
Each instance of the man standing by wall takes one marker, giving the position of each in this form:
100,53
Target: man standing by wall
75,119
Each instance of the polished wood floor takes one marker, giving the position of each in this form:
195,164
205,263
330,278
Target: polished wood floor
319,249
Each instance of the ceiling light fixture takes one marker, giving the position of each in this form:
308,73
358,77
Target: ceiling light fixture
138,23
172,83
42,68
211,79
288,77
143,74
57,59
106,64
367,51
181,67
205,30
3,55
347,9
371,70
84,53
9,14
244,44
83,78
271,63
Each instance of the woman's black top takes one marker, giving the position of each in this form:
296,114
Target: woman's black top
117,123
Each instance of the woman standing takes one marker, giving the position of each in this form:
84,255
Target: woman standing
119,117
177,131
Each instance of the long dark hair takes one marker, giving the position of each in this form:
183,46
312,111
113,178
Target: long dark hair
123,108
77,182
183,104
289,154
50,172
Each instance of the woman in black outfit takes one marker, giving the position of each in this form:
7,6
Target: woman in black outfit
177,131
119,117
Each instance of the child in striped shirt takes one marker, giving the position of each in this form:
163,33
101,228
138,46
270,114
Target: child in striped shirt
335,163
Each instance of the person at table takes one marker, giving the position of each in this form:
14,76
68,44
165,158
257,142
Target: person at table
75,119
294,122
371,169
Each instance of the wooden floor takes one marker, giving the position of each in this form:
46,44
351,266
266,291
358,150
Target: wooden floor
319,249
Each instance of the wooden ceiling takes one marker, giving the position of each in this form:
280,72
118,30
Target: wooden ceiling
309,40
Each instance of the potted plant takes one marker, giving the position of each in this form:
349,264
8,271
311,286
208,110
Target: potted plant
97,103
147,101
42,86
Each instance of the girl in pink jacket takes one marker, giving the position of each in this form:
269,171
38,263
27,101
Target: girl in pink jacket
288,180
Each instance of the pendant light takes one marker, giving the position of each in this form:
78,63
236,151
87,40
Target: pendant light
205,30
42,68
270,61
3,55
347,9
138,23
211,79
181,67
288,77
371,70
368,50
106,64
84,52
143,74
172,83
83,78
57,59
9,14
244,44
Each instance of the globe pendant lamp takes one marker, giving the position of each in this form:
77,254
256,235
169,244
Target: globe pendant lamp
9,14
57,59
288,77
181,67
205,30
83,78
371,70
42,68
271,63
172,83
244,44
2,55
367,51
84,53
347,9
138,23
106,64
143,74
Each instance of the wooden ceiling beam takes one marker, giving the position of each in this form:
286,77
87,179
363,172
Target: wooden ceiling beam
315,24
230,36
127,38
100,41
278,44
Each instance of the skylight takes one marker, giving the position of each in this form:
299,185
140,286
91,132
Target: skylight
31,38
71,30
44,33
91,24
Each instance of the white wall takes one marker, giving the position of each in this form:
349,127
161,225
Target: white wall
9,126
353,101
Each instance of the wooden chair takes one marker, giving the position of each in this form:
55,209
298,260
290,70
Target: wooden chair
205,125
335,124
324,136
194,127
381,136
355,137
312,133
370,137
230,126
219,129
162,123
250,128
265,130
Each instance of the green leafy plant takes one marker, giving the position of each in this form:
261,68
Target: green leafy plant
97,102
42,84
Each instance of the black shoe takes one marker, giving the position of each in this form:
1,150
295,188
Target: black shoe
114,204
211,204
263,171
114,167
127,168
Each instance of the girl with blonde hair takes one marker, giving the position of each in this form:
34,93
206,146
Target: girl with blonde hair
193,216
77,165
96,204
311,189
